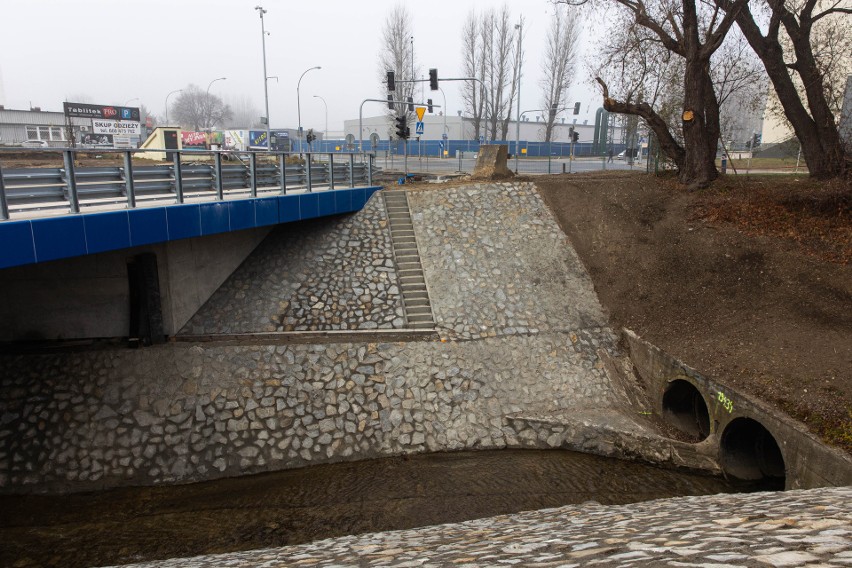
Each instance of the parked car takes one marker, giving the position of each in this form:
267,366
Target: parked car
34,144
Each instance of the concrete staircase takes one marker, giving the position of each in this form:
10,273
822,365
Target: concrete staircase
415,296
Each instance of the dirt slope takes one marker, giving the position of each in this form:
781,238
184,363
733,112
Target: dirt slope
749,282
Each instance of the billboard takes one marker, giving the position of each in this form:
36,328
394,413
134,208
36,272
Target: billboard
116,127
280,140
257,139
193,140
104,112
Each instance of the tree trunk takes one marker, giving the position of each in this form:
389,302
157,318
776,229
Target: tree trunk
701,133
816,130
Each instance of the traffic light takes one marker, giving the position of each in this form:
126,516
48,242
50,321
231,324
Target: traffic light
391,81
577,108
576,136
429,105
390,102
401,127
433,79
310,136
410,104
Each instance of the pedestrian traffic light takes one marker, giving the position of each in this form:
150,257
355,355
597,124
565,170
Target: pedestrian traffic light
410,104
391,81
429,105
401,127
390,102
577,108
433,79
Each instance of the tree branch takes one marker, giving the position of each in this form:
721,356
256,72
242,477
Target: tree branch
667,142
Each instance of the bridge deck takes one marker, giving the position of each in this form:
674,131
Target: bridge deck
42,239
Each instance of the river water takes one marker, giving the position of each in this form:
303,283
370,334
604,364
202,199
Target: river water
296,506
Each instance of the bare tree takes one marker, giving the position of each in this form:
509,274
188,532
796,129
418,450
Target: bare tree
244,113
692,31
397,55
740,82
491,54
803,42
473,92
560,54
196,109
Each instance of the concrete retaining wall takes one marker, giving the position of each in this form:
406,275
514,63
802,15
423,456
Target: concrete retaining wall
88,296
808,462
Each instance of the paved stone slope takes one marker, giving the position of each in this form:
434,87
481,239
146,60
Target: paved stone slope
497,263
318,275
796,528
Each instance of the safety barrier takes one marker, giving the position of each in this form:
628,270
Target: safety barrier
191,175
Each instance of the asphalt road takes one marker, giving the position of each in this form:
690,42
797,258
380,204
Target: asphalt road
525,166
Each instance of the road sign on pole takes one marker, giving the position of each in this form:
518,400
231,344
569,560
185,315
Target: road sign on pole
419,128
420,112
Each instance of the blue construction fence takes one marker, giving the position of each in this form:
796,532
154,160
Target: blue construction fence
468,147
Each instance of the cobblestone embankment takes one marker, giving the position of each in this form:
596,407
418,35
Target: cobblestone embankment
182,413
796,528
497,263
317,275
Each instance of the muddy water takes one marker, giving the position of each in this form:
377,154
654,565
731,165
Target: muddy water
268,510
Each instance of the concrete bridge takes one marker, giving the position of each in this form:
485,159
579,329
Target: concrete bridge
133,250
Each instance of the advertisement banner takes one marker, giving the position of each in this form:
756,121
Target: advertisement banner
217,138
235,139
257,139
105,112
116,127
193,140
93,139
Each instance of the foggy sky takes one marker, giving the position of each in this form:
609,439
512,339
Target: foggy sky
115,51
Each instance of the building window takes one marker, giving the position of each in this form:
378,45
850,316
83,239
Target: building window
32,133
44,133
56,133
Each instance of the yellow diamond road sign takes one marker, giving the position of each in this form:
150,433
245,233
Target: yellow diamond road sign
420,112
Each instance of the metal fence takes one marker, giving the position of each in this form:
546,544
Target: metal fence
192,175
464,162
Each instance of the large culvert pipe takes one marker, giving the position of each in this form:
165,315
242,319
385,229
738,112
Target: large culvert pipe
685,409
749,451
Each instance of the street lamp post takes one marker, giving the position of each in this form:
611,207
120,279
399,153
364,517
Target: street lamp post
167,103
520,27
299,103
325,104
265,78
207,99
130,101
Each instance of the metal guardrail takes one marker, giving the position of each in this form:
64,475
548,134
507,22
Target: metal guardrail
189,177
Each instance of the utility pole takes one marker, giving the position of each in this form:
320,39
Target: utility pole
265,78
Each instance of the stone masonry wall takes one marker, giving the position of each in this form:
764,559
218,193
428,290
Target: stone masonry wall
316,275
179,412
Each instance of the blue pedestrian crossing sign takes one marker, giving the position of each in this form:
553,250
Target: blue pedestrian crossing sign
418,129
